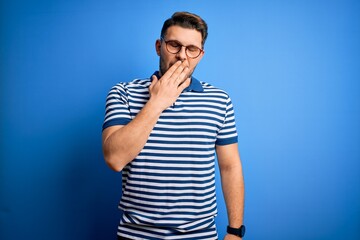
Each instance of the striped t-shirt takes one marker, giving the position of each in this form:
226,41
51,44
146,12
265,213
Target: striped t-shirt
168,190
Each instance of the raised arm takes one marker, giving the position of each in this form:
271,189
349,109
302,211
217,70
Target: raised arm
232,184
121,144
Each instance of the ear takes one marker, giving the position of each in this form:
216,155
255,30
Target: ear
201,55
158,46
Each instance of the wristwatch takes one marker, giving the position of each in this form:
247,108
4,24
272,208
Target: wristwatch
240,232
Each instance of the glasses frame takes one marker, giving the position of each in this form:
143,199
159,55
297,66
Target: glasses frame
186,48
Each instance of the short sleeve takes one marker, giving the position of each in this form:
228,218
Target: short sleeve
117,107
227,133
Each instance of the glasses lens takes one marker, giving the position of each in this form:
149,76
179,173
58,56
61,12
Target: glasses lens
193,51
173,46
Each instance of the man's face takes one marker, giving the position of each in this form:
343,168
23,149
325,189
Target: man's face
185,37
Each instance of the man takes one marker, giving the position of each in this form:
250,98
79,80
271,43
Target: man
162,133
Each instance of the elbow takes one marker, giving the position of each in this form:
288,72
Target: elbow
114,167
114,162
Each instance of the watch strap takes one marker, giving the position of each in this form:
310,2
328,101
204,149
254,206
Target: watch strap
240,232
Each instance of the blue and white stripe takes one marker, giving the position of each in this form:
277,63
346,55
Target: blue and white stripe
169,188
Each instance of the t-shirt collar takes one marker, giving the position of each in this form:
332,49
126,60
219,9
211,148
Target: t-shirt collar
195,84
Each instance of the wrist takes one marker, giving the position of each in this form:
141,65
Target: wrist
232,237
154,107
239,232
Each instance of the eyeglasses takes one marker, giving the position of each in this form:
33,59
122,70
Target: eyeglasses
175,47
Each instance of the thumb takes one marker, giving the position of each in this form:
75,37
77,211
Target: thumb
154,80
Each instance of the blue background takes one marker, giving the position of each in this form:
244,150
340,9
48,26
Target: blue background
292,69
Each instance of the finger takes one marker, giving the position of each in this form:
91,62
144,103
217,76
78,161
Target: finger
179,74
183,75
184,84
171,70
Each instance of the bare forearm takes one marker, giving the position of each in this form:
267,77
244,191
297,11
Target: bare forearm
233,190
232,182
123,145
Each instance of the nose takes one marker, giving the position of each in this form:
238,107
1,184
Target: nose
181,55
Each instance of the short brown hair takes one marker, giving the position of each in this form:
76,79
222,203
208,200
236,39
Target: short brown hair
186,20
